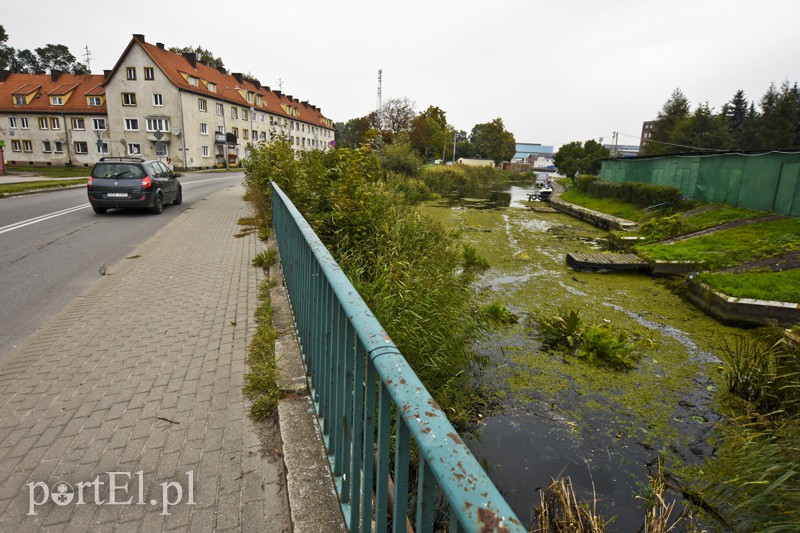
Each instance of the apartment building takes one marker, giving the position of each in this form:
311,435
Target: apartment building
155,104
53,119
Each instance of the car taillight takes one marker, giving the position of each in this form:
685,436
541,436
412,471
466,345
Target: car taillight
146,182
89,183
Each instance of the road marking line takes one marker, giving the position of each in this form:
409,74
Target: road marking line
42,218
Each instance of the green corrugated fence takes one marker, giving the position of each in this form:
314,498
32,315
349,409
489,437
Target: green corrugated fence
766,182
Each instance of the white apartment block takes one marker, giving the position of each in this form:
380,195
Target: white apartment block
152,104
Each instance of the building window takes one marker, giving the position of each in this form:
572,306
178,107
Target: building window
20,100
130,73
244,134
55,124
263,136
203,128
202,105
95,101
219,109
81,147
157,124
129,99
249,97
244,114
221,129
206,151
192,81
255,135
16,146
27,146
12,122
212,87
23,123
102,147
134,149
57,100
235,132
149,75
58,147
259,100
234,112
78,123
98,124
158,100
46,147
131,124
43,123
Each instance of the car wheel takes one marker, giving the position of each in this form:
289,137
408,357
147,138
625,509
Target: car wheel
179,198
158,204
99,210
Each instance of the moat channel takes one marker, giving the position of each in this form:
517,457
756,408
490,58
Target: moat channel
561,416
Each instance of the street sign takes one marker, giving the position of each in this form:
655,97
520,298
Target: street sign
161,148
158,135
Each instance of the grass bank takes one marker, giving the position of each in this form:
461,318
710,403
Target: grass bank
49,172
10,189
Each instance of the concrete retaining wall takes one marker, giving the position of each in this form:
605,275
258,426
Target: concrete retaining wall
742,311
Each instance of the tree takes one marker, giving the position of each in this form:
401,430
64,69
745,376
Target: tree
353,133
492,141
7,53
702,131
777,124
203,55
396,115
674,109
580,158
430,133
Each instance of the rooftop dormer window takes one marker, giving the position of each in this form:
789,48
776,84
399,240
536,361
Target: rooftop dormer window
20,100
57,100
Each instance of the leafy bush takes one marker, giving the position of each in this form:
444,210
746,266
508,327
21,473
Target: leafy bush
498,313
401,158
658,229
640,194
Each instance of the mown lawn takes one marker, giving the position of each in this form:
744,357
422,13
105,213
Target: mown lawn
731,247
772,286
16,188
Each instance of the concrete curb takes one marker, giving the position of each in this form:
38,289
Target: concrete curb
313,502
730,310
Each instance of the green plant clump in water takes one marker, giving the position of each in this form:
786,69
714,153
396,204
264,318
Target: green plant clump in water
498,313
562,331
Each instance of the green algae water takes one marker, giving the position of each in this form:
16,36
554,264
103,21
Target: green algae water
562,416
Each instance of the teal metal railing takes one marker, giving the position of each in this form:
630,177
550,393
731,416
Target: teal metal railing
362,386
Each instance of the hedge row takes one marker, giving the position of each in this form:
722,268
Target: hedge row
640,194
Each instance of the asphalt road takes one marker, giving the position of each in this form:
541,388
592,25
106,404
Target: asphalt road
53,247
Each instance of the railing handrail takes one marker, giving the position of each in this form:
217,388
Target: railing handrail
475,502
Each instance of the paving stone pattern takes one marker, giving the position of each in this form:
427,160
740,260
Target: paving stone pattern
143,374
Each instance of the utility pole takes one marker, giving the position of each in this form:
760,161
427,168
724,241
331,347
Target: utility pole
380,84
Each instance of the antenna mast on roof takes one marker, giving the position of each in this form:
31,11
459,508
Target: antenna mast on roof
88,56
380,85
280,85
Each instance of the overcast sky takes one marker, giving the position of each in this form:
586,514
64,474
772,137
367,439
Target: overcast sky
554,71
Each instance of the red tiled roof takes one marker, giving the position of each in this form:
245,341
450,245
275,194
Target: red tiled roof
231,88
45,86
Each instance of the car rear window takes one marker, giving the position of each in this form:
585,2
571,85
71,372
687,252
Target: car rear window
117,171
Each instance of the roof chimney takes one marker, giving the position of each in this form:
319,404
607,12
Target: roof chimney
4,74
280,95
139,37
54,74
191,57
257,84
160,46
106,73
239,76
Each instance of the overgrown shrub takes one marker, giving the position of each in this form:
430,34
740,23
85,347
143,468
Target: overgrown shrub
661,228
401,158
412,272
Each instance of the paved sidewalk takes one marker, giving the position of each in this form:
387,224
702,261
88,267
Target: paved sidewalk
143,375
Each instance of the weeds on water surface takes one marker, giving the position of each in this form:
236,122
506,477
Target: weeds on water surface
260,380
498,313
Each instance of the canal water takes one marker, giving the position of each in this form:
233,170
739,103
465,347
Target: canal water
558,415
